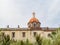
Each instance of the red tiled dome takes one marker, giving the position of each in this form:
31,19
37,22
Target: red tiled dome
33,20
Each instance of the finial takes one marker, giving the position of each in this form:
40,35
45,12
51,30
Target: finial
7,26
18,26
33,14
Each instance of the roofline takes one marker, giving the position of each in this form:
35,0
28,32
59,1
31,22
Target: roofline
20,29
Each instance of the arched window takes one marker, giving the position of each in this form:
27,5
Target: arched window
13,34
34,24
23,34
34,33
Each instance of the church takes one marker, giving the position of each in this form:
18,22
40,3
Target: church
34,27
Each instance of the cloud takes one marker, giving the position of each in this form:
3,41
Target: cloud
53,13
18,12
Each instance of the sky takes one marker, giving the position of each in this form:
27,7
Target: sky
19,12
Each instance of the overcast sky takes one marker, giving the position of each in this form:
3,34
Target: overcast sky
18,12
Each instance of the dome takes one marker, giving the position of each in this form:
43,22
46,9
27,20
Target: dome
33,20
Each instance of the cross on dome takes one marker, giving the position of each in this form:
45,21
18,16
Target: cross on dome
33,14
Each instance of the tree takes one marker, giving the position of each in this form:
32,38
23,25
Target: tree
4,39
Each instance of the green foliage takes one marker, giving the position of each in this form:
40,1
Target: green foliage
46,42
39,40
54,33
56,41
4,39
28,43
22,43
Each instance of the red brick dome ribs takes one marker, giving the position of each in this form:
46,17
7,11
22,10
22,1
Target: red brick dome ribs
33,20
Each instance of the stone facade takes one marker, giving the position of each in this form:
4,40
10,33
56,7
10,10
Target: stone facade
28,34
